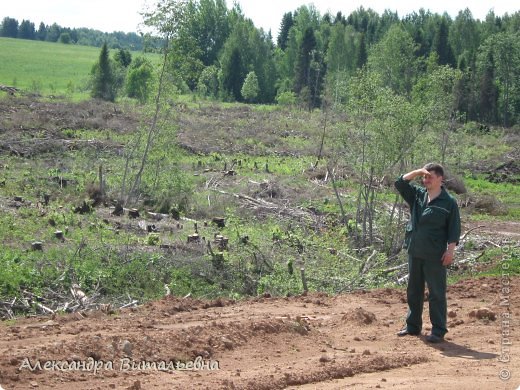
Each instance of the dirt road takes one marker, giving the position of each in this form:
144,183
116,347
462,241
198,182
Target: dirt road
308,342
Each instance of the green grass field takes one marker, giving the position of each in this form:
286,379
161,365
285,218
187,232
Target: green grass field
48,68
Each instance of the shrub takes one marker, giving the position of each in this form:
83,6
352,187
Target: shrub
286,99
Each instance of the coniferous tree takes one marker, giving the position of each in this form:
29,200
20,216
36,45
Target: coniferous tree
488,92
442,46
362,54
233,75
123,57
303,63
103,86
41,35
309,70
9,28
285,26
26,30
340,18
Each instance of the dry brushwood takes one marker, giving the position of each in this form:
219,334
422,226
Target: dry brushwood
270,207
10,90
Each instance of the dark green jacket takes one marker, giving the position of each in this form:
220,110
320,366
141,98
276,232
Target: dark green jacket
432,226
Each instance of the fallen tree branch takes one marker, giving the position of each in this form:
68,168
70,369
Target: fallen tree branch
396,268
133,303
470,230
44,308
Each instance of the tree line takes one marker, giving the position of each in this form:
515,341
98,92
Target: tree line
219,53
11,28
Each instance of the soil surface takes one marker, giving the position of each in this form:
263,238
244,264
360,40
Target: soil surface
310,342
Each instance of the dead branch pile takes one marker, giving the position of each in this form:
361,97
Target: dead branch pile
52,302
266,207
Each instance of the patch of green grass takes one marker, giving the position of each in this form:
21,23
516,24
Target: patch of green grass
506,262
49,68
506,193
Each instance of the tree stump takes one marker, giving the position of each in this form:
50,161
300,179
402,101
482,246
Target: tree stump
133,213
118,210
37,246
219,221
83,209
193,238
58,234
222,242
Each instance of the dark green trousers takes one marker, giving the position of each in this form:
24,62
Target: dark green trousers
434,274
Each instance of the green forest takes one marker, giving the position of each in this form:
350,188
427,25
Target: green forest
217,52
26,29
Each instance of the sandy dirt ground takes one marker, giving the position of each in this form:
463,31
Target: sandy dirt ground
304,342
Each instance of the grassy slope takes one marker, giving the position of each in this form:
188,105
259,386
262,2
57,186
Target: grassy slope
47,67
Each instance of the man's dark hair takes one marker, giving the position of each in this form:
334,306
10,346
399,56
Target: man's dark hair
437,168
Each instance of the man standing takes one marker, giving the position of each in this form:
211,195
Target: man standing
431,236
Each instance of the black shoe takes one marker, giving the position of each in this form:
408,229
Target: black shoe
406,332
433,338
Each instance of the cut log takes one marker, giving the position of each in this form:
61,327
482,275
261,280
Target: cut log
219,221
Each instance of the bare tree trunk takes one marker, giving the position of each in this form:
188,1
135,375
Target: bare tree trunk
444,146
343,216
322,140
361,184
392,232
152,132
371,207
129,157
101,184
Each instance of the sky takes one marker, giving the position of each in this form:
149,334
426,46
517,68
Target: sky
123,15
